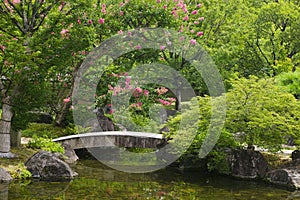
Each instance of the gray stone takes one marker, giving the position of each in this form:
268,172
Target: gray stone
7,155
4,176
285,177
247,164
70,155
48,166
295,155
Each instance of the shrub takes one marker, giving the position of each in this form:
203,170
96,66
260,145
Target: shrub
42,130
19,172
45,144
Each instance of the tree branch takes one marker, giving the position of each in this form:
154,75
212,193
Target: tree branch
260,50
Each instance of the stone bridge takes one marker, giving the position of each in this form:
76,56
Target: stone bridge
113,139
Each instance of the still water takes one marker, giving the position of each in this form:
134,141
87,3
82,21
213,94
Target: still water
95,181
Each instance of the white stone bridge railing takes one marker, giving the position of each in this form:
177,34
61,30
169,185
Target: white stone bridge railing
114,138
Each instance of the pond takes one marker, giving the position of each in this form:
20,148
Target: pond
95,181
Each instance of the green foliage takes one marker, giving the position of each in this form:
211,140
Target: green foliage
19,172
72,129
290,81
43,130
199,117
136,122
45,144
217,161
51,131
262,112
257,110
252,37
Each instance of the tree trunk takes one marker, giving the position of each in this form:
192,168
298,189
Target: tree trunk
61,117
5,125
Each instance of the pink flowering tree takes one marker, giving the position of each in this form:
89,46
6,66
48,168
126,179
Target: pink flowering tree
48,40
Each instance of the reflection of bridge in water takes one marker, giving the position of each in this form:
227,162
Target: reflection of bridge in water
114,139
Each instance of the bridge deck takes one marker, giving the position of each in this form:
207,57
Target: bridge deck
113,138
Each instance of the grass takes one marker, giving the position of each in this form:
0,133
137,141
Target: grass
23,154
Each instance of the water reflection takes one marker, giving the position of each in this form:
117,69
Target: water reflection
4,191
97,181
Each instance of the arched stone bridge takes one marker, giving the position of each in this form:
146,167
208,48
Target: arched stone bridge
114,138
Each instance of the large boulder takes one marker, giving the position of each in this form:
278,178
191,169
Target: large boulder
49,166
285,177
247,164
4,176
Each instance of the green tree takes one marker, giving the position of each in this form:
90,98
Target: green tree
252,37
19,21
261,112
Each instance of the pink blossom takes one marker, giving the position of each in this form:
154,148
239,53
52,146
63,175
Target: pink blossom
139,90
138,47
161,90
162,47
101,21
165,7
186,18
201,18
121,13
103,10
79,21
192,31
127,82
171,99
67,100
64,31
200,33
199,5
146,92
163,102
139,104
90,21
158,1
16,1
2,47
195,12
193,41
120,32
196,22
